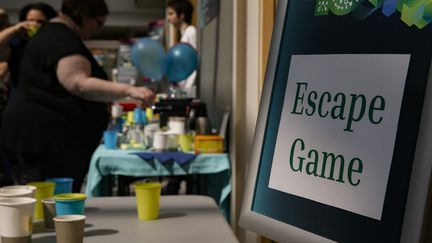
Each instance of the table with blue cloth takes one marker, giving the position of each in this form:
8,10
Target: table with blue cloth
139,163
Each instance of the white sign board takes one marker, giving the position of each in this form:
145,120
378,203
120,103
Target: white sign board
338,127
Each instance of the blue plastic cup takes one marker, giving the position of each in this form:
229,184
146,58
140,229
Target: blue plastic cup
110,139
140,116
62,185
70,203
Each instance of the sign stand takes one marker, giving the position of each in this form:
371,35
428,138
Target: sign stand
342,148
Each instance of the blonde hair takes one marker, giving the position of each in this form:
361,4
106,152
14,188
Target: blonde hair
4,19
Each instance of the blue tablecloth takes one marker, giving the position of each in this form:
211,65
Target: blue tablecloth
123,162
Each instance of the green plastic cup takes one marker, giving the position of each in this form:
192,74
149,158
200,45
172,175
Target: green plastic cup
148,197
44,190
185,142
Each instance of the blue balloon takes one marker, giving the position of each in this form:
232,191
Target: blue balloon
147,56
180,61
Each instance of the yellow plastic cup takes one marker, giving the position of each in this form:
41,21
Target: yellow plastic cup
148,197
185,142
130,117
149,114
44,190
32,30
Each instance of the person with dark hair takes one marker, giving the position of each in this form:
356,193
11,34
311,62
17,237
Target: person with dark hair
37,12
179,14
55,121
14,38
6,173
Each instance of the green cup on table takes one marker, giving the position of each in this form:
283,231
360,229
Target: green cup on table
185,142
147,198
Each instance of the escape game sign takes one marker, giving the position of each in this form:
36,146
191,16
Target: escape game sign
338,128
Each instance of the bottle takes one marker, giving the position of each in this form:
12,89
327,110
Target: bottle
138,127
127,133
137,134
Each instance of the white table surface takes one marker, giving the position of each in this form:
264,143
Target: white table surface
181,219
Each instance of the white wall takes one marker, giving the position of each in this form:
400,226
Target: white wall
215,82
246,97
229,73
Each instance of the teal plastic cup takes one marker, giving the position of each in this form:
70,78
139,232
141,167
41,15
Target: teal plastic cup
110,139
70,203
62,185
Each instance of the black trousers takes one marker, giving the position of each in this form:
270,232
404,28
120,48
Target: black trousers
39,166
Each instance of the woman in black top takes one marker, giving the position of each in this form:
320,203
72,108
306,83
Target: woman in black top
13,40
57,117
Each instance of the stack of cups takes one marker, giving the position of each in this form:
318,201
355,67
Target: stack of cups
69,222
12,192
8,188
148,197
16,219
14,212
62,185
17,209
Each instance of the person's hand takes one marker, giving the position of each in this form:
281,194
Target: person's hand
141,93
29,27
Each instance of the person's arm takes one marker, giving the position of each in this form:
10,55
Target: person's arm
190,36
7,34
74,74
